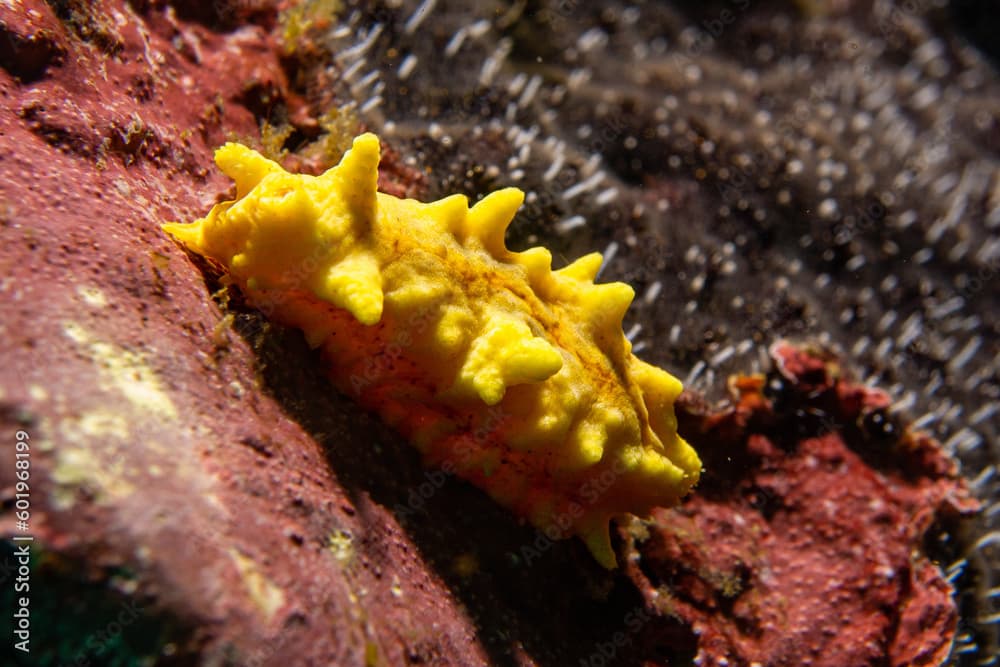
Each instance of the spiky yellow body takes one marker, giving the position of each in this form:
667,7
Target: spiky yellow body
514,376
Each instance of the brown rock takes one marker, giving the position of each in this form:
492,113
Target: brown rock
806,550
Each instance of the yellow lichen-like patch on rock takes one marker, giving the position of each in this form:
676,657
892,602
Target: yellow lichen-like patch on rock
268,597
126,372
103,472
515,376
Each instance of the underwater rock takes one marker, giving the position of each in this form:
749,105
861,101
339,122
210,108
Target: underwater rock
813,537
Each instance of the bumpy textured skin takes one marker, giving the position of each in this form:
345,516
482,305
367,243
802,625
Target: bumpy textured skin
513,376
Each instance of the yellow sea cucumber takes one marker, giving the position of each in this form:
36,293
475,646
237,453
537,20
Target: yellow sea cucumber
512,375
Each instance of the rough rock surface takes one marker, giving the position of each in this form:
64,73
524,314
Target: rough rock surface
199,495
805,544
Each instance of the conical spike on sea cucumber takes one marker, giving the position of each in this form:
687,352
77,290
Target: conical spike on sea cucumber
245,166
355,180
489,218
584,268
